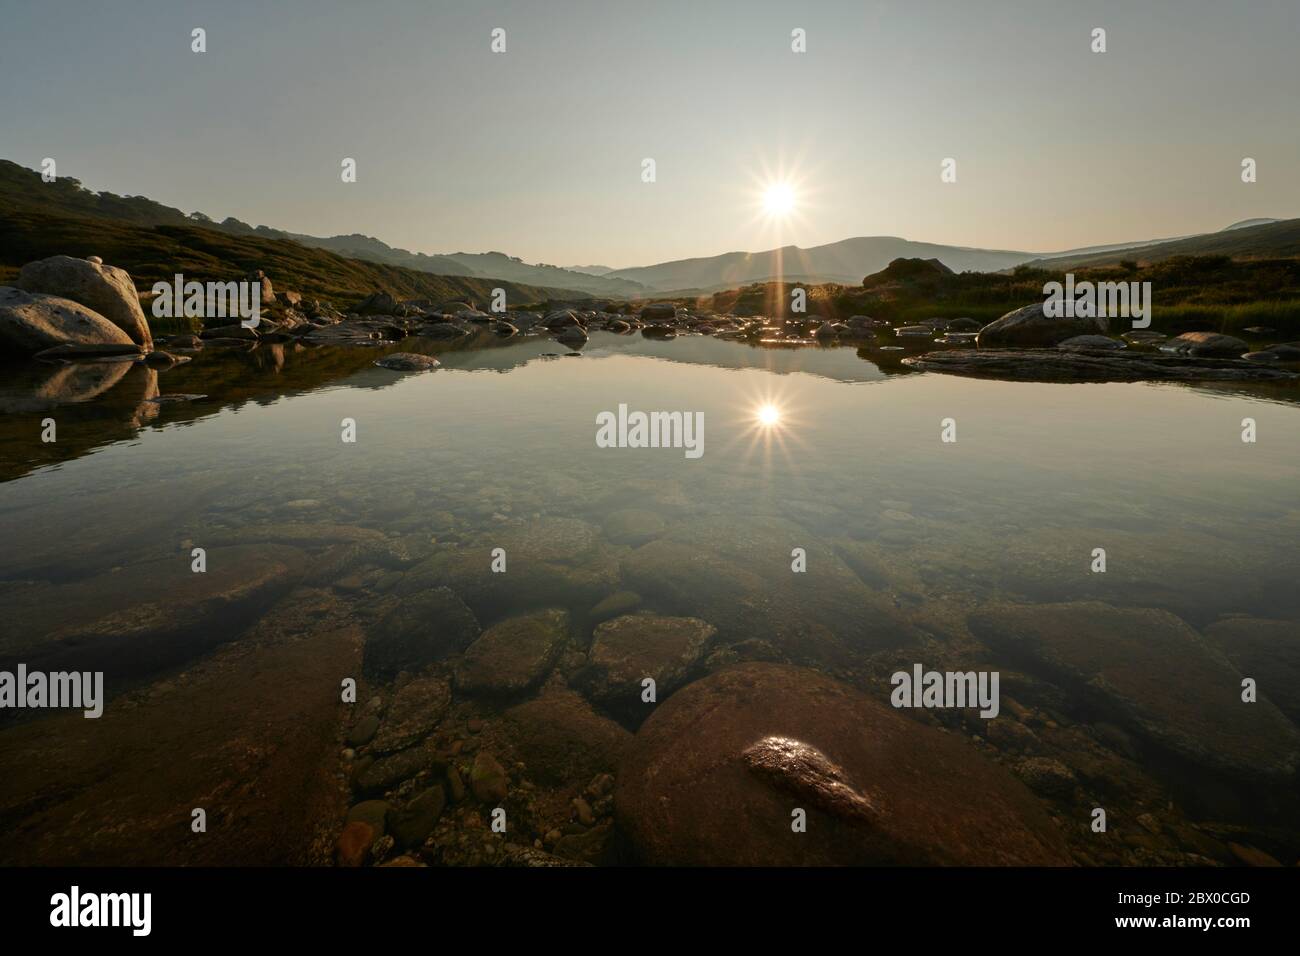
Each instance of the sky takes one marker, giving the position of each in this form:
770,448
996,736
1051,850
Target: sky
537,151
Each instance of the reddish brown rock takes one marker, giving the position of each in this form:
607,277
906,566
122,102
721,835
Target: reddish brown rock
354,844
705,783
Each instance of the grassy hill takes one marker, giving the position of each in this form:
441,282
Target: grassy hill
1214,293
23,191
1267,240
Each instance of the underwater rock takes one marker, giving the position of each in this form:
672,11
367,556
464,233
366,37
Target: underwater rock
561,738
1153,673
513,655
427,626
705,784
416,709
628,649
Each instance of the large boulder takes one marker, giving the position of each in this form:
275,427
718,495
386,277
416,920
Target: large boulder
33,321
1030,328
416,709
513,655
714,776
107,290
1149,670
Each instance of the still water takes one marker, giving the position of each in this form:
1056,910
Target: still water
917,551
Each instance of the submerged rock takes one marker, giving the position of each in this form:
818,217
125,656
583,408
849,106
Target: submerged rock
1268,651
1152,672
562,739
427,626
513,655
627,650
488,779
410,825
735,573
633,526
416,709
714,775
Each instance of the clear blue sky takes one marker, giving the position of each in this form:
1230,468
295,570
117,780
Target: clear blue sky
537,152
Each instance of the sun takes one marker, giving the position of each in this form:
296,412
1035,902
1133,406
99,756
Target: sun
778,199
768,415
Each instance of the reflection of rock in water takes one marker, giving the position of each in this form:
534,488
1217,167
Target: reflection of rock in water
697,787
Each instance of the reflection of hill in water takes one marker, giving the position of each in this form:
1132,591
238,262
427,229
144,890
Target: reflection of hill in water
98,404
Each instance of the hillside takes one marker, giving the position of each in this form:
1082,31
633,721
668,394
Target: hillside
153,253
846,261
1270,239
22,188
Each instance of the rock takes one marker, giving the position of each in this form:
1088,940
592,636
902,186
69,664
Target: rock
427,626
1152,672
267,291
1029,327
619,603
629,649
488,780
659,332
1093,366
561,739
714,775
412,824
914,331
161,359
1207,343
1090,342
145,616
553,562
235,331
377,303
595,847
513,655
105,290
1046,775
32,321
1251,856
572,335
363,731
353,846
659,311
735,573
633,526
1268,651
373,813
379,776
408,362
416,709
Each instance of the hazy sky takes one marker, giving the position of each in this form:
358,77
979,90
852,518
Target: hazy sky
537,152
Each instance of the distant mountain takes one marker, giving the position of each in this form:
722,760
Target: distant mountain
19,185
1249,222
846,262
591,270
1273,238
